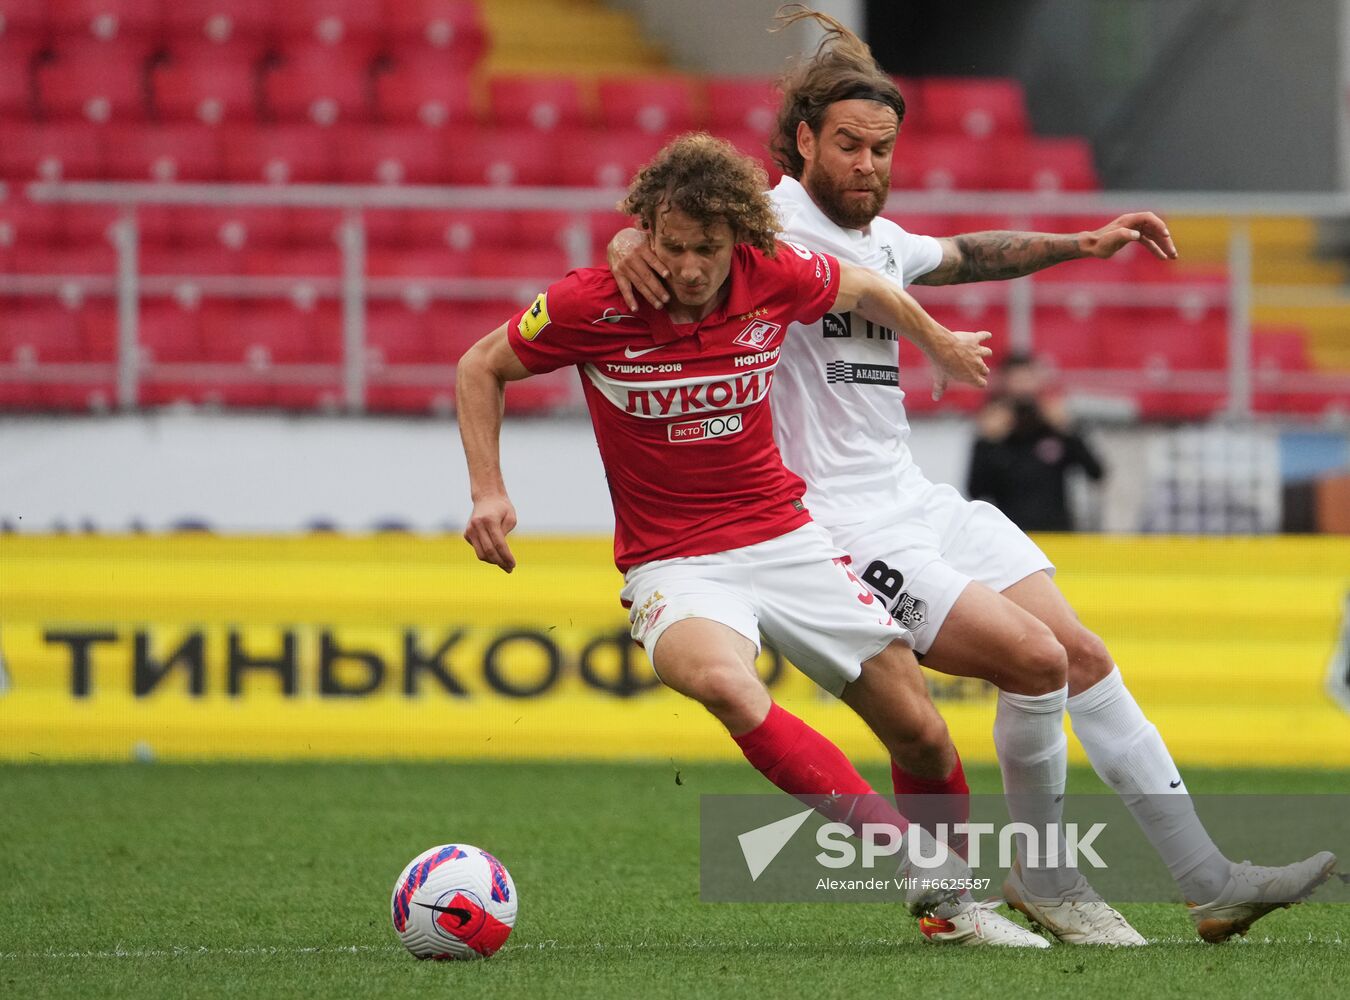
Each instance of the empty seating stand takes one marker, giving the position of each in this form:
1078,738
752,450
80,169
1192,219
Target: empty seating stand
395,93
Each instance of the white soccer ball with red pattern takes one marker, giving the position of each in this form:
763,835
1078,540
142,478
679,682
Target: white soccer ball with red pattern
454,901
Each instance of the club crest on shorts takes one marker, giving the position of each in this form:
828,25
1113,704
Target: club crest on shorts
910,612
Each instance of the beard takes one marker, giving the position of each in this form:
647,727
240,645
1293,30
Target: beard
838,202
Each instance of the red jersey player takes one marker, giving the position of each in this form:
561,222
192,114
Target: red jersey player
710,530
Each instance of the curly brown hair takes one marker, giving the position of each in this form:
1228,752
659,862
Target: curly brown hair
711,182
842,69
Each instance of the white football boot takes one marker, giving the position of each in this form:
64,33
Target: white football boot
1078,916
1253,891
977,924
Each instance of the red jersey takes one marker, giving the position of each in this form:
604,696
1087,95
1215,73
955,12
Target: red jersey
681,411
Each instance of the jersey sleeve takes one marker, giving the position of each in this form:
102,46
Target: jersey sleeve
552,331
918,255
813,277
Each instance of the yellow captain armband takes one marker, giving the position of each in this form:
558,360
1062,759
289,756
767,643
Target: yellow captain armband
535,319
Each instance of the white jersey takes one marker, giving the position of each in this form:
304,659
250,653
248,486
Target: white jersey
838,409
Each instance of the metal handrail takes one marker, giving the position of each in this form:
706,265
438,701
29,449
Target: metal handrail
353,287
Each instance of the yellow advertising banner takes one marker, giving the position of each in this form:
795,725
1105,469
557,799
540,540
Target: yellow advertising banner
195,646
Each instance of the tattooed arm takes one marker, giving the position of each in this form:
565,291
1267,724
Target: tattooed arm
993,256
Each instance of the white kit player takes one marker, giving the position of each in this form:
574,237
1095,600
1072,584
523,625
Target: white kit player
974,590
710,530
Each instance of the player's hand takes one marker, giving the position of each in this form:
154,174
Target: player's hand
637,269
1133,227
492,519
959,357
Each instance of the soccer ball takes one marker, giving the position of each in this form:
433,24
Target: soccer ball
454,901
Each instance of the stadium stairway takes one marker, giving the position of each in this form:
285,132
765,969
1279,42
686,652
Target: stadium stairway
578,37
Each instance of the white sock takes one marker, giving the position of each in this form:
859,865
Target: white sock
1033,756
1129,755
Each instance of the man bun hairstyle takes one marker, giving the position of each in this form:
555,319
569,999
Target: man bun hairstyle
710,181
842,69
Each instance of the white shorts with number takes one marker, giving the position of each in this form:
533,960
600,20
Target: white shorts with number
797,589
918,559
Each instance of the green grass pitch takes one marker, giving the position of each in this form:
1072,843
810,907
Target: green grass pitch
244,880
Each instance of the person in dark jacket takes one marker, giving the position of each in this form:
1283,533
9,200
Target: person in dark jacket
1025,449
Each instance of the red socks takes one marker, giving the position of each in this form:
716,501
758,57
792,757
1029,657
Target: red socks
930,801
804,763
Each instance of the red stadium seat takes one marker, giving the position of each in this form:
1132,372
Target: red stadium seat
396,335
418,262
51,152
169,334
453,28
755,146
263,336
278,154
28,21
604,159
96,81
465,230
38,333
319,85
454,327
943,163
163,153
503,157
423,89
979,108
928,224
541,262
96,257
1075,336
297,262
538,102
16,80
25,226
351,25
135,22
249,24
1043,165
742,104
1280,349
191,262
233,227
660,105
911,92
1171,339
209,83
411,154
82,225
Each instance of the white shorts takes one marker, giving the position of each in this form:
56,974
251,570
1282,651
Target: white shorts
919,558
797,588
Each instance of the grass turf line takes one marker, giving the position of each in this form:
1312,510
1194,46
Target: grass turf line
273,881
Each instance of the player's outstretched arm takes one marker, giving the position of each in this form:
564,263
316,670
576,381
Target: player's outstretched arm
636,269
957,356
993,256
480,389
